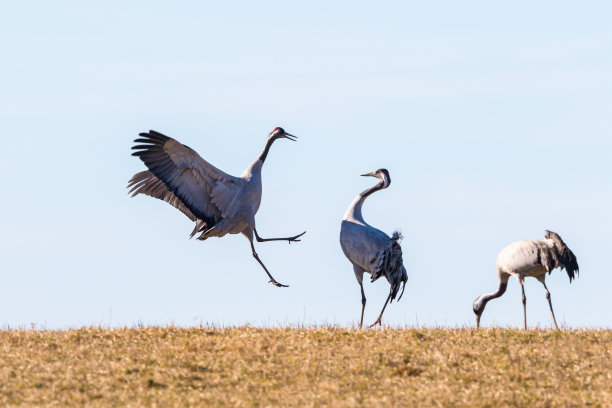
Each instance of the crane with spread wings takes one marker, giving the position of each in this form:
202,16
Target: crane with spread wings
218,203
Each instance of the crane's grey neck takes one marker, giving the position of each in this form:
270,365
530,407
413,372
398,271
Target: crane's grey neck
266,149
354,211
364,194
501,289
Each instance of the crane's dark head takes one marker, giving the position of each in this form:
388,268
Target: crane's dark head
481,301
478,307
382,174
279,133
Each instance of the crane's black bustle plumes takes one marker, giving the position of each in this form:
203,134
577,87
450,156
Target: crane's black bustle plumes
390,264
563,256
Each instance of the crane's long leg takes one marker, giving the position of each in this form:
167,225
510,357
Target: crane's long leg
378,321
272,280
524,303
550,304
290,239
359,276
363,303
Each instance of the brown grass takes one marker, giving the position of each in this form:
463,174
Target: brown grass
309,367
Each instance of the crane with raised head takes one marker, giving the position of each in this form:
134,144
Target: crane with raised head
371,250
218,203
527,258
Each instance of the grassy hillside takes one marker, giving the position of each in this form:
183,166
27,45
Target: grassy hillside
305,367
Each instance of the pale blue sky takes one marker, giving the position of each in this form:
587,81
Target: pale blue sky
493,120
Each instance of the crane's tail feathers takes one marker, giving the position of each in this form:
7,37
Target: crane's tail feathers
389,263
563,256
404,284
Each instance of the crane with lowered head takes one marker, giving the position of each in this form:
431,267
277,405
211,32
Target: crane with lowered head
526,258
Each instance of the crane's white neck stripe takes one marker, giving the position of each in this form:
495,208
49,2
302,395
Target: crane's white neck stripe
385,180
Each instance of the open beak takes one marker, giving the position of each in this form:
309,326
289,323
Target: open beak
290,137
372,174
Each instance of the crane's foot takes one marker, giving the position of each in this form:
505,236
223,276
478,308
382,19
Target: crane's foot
280,285
295,238
377,322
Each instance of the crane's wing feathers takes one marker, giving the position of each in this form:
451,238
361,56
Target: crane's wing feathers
145,182
226,197
205,191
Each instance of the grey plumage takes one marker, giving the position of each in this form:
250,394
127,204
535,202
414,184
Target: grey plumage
218,203
528,258
371,250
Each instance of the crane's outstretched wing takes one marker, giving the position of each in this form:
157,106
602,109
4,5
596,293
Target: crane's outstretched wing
198,187
145,182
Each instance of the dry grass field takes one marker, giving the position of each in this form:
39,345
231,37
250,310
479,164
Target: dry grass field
309,367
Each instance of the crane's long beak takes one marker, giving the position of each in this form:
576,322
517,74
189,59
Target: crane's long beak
290,137
477,321
371,174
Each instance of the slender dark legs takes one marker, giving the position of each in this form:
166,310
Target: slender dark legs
359,275
549,303
551,308
289,239
502,289
524,303
249,235
363,303
272,280
378,321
